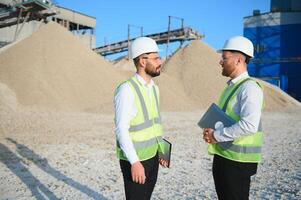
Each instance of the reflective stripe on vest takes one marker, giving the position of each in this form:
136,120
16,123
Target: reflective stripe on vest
229,145
145,128
244,149
147,122
241,149
237,148
147,143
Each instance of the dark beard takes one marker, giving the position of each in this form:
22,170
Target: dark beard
152,73
224,73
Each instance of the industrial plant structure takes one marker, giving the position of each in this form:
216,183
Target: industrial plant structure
276,37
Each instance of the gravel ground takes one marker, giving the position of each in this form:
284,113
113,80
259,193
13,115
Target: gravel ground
48,155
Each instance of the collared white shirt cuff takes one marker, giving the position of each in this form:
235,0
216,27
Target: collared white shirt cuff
133,158
220,136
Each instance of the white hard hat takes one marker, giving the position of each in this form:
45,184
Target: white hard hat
239,43
143,45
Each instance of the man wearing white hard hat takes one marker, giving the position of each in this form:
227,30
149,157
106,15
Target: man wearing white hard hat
237,148
138,122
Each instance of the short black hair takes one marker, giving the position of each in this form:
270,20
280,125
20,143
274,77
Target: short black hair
248,58
136,60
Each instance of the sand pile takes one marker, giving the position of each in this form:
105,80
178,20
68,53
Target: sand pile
276,99
172,94
197,68
53,69
124,64
8,100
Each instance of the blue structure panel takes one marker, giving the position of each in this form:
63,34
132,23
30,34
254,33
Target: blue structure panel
291,40
277,56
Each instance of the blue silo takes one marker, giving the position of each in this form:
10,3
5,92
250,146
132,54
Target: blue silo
276,36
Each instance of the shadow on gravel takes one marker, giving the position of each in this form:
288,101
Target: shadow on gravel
17,166
42,163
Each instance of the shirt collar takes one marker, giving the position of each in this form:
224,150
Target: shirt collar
143,82
235,80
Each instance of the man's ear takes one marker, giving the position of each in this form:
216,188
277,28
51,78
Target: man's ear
142,62
240,59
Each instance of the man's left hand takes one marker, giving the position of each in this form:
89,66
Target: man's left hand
163,162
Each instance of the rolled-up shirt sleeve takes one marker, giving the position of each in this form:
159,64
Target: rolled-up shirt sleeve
125,110
248,106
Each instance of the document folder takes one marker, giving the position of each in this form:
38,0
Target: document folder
166,152
213,118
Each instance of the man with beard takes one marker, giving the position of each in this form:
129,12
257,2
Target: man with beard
237,149
138,122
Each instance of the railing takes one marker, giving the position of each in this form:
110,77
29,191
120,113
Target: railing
182,34
25,11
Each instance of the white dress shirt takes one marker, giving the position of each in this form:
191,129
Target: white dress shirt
125,111
247,105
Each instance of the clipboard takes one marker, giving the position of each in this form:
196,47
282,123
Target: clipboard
166,154
214,117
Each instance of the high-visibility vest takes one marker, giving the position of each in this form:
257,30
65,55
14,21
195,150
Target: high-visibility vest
245,149
145,128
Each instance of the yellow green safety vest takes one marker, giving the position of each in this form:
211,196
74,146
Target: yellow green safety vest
244,149
145,128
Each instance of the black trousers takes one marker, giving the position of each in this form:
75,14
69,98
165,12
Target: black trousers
140,191
232,179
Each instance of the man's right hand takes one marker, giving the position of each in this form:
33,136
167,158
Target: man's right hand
138,174
208,136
